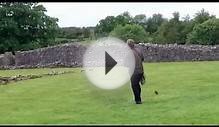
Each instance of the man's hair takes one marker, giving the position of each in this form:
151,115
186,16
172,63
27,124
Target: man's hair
130,43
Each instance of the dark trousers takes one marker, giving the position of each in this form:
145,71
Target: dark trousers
136,88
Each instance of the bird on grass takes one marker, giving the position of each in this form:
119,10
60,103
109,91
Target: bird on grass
156,92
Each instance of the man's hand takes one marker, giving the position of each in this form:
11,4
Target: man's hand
143,80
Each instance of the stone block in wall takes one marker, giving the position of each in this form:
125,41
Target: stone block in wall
7,59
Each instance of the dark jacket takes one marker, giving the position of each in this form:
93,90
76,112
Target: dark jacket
139,58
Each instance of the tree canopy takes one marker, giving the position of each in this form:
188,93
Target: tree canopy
205,33
25,26
133,31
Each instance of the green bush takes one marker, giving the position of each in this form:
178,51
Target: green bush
206,33
132,31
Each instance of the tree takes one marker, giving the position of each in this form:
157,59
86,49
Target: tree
187,25
140,19
128,31
205,33
176,17
186,18
127,17
25,26
170,31
154,22
202,16
105,26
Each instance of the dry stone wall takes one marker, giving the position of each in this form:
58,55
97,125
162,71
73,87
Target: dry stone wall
68,55
173,52
71,55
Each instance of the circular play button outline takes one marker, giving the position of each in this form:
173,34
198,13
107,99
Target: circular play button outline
108,63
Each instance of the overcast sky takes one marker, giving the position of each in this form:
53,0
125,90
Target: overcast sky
88,14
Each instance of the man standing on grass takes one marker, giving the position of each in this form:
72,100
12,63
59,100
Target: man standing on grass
138,75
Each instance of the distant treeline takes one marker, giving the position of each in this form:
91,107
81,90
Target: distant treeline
78,33
203,28
25,26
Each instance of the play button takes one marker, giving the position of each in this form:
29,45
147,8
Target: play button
108,63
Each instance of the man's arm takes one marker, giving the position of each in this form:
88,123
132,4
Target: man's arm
142,56
140,52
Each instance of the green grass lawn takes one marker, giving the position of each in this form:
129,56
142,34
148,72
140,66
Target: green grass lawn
188,94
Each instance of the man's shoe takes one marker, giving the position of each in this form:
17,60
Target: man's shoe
138,102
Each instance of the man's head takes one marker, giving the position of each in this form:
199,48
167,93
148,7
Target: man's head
130,43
